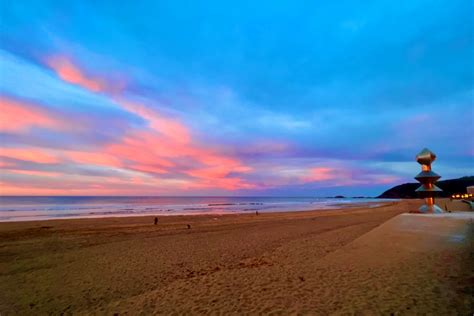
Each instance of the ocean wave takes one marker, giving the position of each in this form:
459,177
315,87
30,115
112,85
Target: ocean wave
232,204
12,210
197,208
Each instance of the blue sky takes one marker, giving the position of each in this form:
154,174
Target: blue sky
267,98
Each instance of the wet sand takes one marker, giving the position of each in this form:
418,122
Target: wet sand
317,262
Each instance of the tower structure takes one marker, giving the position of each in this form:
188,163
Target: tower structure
427,177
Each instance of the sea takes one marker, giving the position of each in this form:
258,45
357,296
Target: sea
30,208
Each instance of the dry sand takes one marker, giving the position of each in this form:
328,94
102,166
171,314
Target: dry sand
318,262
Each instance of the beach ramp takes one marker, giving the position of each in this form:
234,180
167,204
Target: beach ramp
413,263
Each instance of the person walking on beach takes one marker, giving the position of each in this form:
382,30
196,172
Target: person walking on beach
156,220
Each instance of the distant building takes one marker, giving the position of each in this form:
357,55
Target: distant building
470,189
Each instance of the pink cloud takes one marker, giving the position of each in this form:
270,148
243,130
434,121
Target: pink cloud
320,174
148,169
167,146
86,185
221,183
151,152
174,141
69,72
29,154
210,173
385,179
38,173
19,116
170,128
93,158
11,189
141,153
4,164
342,175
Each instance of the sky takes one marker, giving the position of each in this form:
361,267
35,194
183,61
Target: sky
245,98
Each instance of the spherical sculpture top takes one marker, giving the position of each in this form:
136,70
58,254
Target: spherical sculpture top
425,157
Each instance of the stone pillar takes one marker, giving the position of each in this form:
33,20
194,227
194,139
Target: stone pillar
427,177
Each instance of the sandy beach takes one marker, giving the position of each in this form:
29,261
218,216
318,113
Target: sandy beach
314,262
243,158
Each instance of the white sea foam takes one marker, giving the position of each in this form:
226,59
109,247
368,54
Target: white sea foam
39,208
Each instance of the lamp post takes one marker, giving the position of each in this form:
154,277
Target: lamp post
427,177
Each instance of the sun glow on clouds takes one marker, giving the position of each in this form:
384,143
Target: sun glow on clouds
93,158
114,100
163,151
17,116
332,173
160,155
67,71
166,126
105,186
29,154
38,173
320,174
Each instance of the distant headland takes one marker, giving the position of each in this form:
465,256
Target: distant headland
449,187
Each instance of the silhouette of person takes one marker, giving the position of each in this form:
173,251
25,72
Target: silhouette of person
156,220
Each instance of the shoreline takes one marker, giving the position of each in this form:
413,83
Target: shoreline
364,207
331,207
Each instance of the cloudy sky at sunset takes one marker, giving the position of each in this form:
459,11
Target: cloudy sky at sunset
286,98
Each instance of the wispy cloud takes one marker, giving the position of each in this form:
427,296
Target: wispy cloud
93,103
67,71
19,116
164,146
